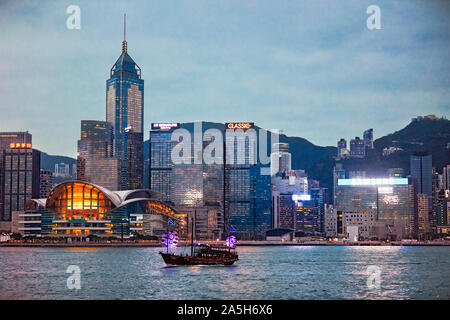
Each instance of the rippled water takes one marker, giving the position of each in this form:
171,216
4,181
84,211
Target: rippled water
296,272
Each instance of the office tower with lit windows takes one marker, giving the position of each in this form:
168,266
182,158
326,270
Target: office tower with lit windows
247,191
125,113
306,216
95,163
319,199
20,178
423,221
393,200
46,183
10,140
194,187
161,165
338,173
443,208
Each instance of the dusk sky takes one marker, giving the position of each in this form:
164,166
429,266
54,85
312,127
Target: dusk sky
310,68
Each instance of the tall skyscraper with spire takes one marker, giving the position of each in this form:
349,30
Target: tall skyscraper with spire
125,113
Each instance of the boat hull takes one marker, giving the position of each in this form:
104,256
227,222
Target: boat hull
179,260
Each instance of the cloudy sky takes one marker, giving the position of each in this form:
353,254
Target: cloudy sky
310,68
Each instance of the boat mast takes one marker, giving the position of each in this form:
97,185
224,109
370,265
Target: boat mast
192,235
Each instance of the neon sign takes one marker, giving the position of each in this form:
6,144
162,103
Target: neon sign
301,197
239,125
372,181
20,145
164,126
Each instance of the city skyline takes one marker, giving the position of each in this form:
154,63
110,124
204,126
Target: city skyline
191,74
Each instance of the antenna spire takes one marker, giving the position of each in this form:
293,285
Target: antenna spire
124,42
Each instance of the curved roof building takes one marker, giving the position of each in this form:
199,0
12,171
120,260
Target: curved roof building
79,208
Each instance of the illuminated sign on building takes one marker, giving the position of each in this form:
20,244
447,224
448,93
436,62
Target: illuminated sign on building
385,190
372,181
301,197
164,126
239,125
20,145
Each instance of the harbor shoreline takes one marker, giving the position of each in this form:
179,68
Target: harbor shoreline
240,244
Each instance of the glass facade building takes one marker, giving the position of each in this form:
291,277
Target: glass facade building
421,169
20,178
7,139
247,192
160,160
125,113
391,199
95,161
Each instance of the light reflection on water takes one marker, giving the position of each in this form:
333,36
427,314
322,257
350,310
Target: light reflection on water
295,272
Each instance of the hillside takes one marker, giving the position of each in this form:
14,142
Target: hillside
422,134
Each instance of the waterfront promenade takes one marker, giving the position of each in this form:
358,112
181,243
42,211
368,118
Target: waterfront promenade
240,243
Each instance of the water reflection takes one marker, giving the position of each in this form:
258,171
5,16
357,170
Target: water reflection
296,272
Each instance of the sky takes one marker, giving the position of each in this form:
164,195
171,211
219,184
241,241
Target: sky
309,68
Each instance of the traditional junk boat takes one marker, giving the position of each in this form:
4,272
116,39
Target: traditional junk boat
200,254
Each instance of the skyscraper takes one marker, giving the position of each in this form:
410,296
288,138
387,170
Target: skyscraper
161,165
21,178
95,163
247,192
392,200
125,112
46,183
10,140
368,139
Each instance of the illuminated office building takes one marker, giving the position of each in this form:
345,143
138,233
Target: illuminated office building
423,220
446,177
247,191
161,165
95,163
125,113
391,199
46,183
306,217
6,141
319,198
20,178
396,172
195,189
338,173
443,208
